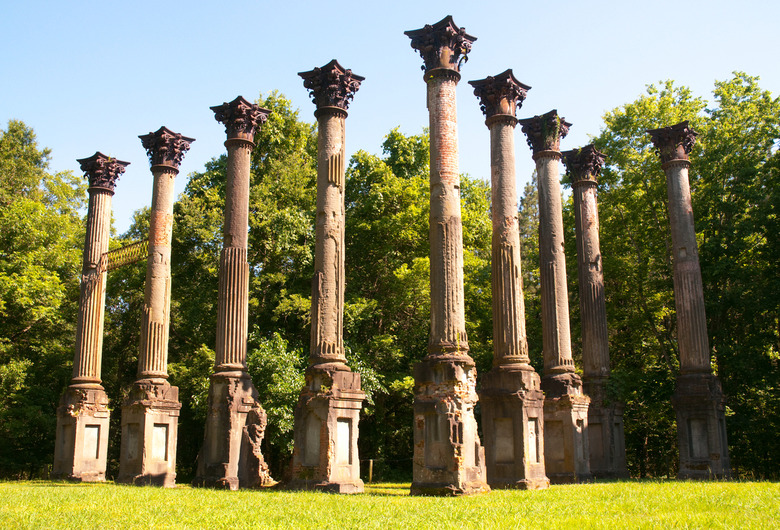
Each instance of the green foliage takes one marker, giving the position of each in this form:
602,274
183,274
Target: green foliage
277,373
41,232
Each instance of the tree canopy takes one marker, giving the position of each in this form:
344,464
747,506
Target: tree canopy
41,234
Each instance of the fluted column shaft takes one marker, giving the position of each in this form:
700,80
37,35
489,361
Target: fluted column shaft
552,269
233,305
89,327
593,309
153,355
448,322
688,287
327,344
510,345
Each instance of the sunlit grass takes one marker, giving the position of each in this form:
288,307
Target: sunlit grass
605,505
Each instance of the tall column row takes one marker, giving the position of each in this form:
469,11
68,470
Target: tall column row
557,428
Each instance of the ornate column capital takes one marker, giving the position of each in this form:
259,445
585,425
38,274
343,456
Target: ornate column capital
331,86
583,164
544,132
165,147
102,171
241,118
673,142
500,95
441,45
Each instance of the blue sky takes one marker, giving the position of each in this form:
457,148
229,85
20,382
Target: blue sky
92,76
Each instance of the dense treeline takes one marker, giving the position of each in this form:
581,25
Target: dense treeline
736,198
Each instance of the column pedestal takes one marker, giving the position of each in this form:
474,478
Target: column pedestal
513,425
230,457
701,427
82,435
605,434
326,448
448,456
149,432
566,450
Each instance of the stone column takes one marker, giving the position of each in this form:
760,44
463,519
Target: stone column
512,400
235,425
326,417
605,420
448,455
698,398
83,414
565,406
151,411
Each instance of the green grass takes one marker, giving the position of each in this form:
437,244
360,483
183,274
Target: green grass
606,505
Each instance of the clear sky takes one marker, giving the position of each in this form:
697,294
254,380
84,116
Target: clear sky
92,75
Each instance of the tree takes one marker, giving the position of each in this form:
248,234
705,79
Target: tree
731,184
41,232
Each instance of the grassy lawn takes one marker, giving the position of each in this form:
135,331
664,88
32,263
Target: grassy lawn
606,505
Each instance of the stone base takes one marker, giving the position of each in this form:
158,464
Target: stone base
235,426
513,425
82,434
606,435
701,427
150,417
448,456
325,457
566,444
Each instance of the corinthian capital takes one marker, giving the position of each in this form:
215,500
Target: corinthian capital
583,164
442,45
165,147
673,142
241,118
102,171
501,94
544,132
331,85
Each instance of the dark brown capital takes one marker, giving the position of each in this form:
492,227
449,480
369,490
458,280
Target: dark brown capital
241,118
442,45
673,142
165,147
331,85
544,132
500,94
102,171
584,164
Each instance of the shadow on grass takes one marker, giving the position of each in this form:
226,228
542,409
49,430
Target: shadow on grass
379,489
